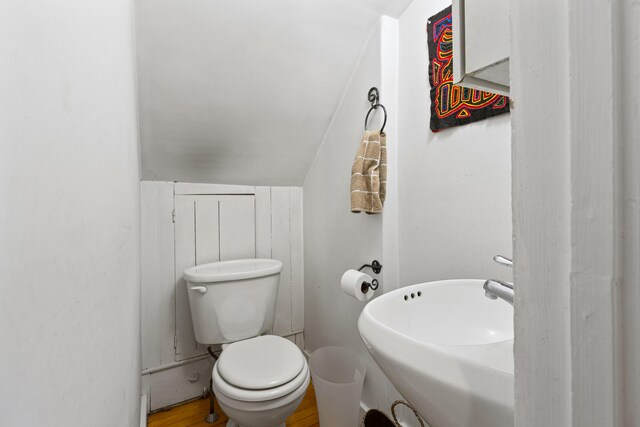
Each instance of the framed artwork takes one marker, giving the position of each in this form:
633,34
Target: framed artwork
453,105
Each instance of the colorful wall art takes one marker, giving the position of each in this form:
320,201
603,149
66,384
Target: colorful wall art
453,105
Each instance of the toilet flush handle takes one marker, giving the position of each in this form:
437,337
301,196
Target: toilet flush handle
201,289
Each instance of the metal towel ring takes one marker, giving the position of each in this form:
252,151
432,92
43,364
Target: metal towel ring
374,96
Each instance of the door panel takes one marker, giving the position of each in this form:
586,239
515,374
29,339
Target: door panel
185,257
207,231
237,228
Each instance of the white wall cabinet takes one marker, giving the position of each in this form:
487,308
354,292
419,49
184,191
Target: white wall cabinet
481,44
191,224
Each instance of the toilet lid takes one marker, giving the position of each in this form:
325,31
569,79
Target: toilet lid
260,363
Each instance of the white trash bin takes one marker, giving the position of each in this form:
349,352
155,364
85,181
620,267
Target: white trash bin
338,374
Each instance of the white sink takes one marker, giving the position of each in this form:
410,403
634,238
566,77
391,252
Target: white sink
447,349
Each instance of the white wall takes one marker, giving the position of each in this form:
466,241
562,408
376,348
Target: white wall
241,92
451,212
627,127
335,239
455,185
69,215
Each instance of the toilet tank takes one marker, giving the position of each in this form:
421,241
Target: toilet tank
232,300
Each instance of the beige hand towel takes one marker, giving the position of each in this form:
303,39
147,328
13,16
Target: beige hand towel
369,174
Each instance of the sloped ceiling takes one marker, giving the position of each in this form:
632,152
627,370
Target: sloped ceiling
242,91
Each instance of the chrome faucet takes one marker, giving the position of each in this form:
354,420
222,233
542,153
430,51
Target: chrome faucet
494,289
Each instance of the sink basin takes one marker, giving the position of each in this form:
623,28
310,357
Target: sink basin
447,349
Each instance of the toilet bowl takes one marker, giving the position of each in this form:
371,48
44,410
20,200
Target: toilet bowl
259,380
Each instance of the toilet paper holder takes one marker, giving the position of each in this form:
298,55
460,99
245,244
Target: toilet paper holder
377,268
366,286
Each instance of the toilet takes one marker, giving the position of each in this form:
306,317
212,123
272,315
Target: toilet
259,380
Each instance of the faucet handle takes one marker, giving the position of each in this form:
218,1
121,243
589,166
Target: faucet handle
502,260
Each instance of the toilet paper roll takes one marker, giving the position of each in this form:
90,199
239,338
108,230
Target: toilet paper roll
351,284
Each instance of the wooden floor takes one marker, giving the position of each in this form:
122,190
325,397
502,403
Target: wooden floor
192,414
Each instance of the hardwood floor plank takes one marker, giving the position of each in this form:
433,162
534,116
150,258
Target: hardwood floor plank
302,413
193,414
304,422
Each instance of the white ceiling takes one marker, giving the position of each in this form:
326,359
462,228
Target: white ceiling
242,91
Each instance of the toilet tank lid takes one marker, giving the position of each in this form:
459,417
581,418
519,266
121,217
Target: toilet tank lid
238,269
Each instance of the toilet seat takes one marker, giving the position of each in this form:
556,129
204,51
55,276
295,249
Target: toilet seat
260,369
248,395
278,404
260,363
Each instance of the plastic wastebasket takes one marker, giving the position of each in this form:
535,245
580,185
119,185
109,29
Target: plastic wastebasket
338,374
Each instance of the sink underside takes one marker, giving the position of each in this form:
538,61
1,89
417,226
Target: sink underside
447,349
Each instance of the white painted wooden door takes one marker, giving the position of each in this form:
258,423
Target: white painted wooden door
207,228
